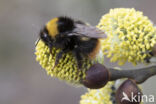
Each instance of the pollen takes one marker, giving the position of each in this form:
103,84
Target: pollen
130,36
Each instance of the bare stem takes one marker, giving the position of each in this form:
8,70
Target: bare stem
139,75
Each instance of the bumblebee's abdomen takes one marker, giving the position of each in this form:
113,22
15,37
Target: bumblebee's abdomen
95,50
90,47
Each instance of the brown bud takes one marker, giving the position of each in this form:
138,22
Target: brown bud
97,76
128,93
154,50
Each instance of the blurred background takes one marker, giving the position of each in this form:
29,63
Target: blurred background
22,80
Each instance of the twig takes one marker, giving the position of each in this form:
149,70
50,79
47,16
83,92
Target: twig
139,75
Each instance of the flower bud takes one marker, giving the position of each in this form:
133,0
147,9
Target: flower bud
128,93
154,50
97,77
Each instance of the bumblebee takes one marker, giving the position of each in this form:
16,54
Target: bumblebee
72,35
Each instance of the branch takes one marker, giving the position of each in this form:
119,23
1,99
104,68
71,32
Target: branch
98,75
139,75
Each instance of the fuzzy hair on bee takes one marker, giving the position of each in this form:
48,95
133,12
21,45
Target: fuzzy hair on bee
74,36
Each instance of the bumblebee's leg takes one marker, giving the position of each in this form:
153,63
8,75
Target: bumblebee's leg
50,48
79,59
58,57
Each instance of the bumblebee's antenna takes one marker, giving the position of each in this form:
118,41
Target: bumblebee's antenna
37,41
36,28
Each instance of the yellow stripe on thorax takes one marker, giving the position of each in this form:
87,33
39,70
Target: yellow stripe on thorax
52,27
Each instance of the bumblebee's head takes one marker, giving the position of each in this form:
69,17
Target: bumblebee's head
56,27
44,36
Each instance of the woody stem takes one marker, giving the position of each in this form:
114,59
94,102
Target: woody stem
139,75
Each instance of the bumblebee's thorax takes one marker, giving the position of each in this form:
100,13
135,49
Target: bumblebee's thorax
79,44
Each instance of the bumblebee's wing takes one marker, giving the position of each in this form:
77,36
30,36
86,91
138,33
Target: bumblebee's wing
88,31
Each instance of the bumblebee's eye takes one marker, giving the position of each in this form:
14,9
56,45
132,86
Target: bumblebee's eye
45,37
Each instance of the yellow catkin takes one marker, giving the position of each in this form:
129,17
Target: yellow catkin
98,96
130,35
66,69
